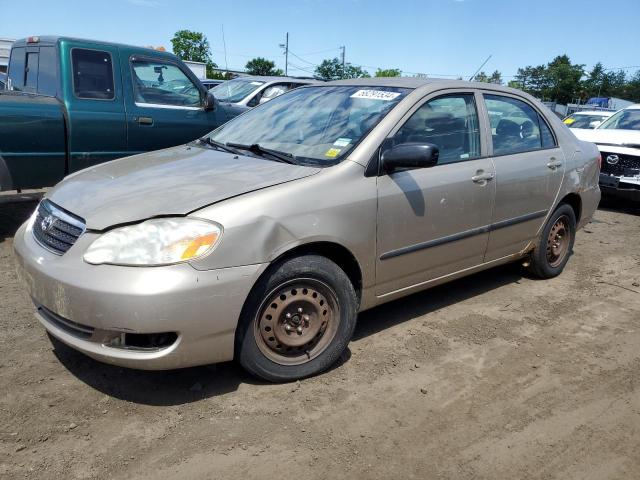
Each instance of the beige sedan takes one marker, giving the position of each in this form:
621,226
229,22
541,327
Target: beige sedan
263,240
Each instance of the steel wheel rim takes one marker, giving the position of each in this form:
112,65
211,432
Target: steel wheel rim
558,241
297,321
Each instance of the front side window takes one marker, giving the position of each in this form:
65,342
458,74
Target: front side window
623,120
92,74
515,126
162,83
450,123
236,90
316,125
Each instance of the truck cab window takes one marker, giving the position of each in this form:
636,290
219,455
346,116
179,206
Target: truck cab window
92,74
16,69
31,72
48,71
163,83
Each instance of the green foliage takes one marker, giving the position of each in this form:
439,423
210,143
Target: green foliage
495,77
262,66
331,69
389,72
194,46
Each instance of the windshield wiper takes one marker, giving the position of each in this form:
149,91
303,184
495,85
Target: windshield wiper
218,145
260,150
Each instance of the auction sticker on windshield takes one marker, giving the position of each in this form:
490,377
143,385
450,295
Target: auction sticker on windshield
376,95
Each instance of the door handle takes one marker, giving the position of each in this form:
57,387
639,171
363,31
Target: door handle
482,177
553,163
145,120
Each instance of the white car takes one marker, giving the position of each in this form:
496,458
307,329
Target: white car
618,139
586,119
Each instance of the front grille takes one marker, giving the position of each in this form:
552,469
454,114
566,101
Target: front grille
74,328
626,165
55,229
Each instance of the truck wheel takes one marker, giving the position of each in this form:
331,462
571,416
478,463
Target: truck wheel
297,320
555,244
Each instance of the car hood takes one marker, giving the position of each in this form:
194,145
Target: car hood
622,138
175,181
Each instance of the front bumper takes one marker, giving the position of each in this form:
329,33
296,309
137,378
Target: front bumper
613,186
103,301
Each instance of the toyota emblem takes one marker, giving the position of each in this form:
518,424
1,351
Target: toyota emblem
47,223
613,159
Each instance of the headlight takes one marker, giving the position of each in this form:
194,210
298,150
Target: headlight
161,241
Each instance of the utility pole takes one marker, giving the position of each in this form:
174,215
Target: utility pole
285,45
343,49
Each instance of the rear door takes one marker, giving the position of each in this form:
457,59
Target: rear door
95,105
434,221
529,171
165,104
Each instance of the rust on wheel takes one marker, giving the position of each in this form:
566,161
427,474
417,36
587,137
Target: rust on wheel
297,321
558,241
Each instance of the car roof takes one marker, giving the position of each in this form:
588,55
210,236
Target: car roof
593,112
635,106
265,78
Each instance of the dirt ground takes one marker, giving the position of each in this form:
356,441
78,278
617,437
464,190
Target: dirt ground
496,376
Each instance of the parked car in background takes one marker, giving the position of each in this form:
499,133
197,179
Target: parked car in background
210,83
76,103
586,119
263,240
243,93
618,139
3,80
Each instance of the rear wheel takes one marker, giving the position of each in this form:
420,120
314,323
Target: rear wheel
555,244
298,319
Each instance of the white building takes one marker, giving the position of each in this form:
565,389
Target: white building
5,48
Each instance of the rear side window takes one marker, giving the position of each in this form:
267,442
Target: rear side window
449,122
16,68
516,127
31,72
92,74
162,83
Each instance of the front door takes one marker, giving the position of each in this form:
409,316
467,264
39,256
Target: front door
434,221
165,105
529,171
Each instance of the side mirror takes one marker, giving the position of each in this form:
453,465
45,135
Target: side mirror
410,155
595,124
209,102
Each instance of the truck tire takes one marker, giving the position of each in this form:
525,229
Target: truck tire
297,320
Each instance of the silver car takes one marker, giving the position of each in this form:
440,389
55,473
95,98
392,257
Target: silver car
262,241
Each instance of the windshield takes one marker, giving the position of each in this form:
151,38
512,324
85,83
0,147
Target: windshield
313,125
235,90
583,120
623,120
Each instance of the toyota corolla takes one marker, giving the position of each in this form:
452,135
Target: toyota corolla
263,240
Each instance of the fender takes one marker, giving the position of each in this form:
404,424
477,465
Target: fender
6,182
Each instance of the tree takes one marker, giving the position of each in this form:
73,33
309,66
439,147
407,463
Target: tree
193,46
331,69
389,72
563,80
495,77
481,77
262,66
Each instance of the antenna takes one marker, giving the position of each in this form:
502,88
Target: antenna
224,45
480,68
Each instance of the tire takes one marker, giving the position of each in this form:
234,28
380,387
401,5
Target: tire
555,244
297,320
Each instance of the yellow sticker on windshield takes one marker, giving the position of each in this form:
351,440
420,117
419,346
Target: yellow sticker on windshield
569,121
332,152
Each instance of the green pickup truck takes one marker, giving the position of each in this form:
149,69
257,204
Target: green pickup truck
74,103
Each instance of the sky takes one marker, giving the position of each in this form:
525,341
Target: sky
446,38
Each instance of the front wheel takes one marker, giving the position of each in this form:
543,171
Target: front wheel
297,320
555,244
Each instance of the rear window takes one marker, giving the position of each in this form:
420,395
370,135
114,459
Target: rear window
16,69
92,74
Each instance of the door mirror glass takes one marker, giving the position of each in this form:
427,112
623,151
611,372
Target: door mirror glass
209,102
410,155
